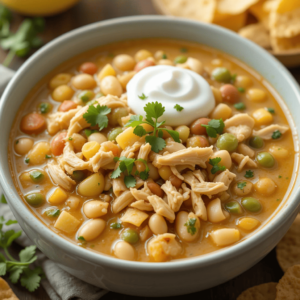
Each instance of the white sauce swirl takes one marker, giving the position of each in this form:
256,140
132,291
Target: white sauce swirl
170,86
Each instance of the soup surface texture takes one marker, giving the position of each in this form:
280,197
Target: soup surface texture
139,189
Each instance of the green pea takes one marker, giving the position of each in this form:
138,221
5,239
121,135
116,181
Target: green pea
227,141
86,96
78,175
36,176
45,107
35,199
91,102
116,115
233,207
251,204
265,159
130,236
180,59
256,142
221,75
114,133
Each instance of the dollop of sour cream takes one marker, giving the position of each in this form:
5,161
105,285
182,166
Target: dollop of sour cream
170,86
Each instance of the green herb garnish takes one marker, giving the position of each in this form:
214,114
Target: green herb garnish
241,185
154,111
81,238
249,174
48,156
52,213
214,162
164,56
36,176
3,200
115,225
70,138
27,160
233,78
214,127
241,89
271,110
240,106
143,97
190,224
44,107
30,278
97,116
178,107
279,176
276,135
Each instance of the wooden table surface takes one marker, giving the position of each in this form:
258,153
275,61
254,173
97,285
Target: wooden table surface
90,11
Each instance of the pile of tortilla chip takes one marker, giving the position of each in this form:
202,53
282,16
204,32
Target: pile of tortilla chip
272,24
288,256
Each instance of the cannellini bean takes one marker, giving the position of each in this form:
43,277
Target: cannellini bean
78,141
159,54
92,185
215,212
225,236
195,65
23,145
221,111
92,229
124,62
243,187
73,202
83,82
279,152
124,250
142,54
225,158
165,62
165,172
186,233
265,186
111,85
95,209
97,137
59,79
243,81
145,233
158,224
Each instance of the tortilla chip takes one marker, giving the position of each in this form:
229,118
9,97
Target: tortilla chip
200,10
266,291
234,7
261,15
288,249
257,33
6,292
285,44
288,286
233,22
285,6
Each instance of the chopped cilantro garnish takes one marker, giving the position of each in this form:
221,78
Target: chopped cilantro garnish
190,224
249,174
271,110
97,116
36,176
214,162
178,107
183,50
276,135
233,78
44,107
81,238
277,199
240,106
70,138
27,160
48,156
154,111
214,127
279,176
164,56
241,89
126,166
241,185
115,225
143,97
52,213
3,200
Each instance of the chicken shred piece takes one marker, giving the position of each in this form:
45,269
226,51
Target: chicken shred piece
129,151
243,161
161,207
189,178
186,192
208,188
176,173
119,186
245,150
140,194
198,206
226,177
267,132
142,205
175,199
144,151
172,147
122,201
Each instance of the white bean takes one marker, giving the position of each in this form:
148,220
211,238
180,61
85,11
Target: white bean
92,229
123,250
186,233
158,224
23,145
95,209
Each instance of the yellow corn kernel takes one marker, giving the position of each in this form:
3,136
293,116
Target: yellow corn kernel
225,236
128,138
279,152
89,149
107,70
58,196
248,223
37,154
262,117
66,222
256,95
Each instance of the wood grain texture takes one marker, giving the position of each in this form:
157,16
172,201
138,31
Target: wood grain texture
89,11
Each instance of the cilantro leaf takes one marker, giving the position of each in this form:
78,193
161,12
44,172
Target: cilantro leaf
276,135
249,174
190,224
115,225
139,131
116,173
241,185
52,213
173,133
239,106
157,143
214,162
271,110
2,268
81,238
214,127
143,97
30,279
14,274
144,174
178,107
134,121
3,200
154,110
27,254
129,181
97,116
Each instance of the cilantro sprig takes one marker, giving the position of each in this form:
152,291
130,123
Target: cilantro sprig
214,127
249,174
241,185
143,97
214,162
190,224
276,135
30,278
126,166
154,111
96,115
178,107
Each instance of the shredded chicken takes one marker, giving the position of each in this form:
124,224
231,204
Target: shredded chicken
240,125
190,156
223,196
122,201
140,194
226,177
176,173
172,147
129,151
161,207
245,150
267,132
144,151
185,192
198,206
119,186
59,177
209,188
142,205
175,199
243,161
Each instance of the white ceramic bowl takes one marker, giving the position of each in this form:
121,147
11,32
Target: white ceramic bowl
137,278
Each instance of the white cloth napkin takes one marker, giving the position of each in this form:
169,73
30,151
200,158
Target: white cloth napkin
59,284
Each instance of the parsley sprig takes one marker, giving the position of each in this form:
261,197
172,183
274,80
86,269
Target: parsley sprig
190,224
214,127
96,115
126,166
214,162
18,270
154,111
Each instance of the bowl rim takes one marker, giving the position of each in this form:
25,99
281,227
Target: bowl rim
105,260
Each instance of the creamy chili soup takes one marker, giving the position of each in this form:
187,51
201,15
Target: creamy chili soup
152,150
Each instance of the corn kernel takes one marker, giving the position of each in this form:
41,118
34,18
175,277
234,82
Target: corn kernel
107,70
37,155
58,196
248,223
225,236
262,117
89,149
279,152
66,222
25,177
256,95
